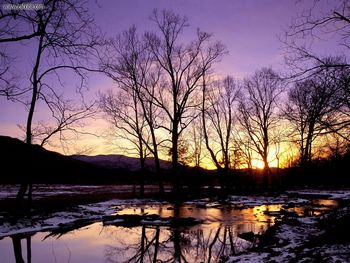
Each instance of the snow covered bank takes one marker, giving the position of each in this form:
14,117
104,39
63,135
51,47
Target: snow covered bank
304,239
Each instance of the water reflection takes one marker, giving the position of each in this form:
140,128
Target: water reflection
216,238
17,248
158,244
242,220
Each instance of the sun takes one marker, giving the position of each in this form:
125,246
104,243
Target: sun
257,164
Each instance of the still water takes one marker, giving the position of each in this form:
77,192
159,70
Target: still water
213,240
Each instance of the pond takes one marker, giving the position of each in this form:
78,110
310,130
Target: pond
217,235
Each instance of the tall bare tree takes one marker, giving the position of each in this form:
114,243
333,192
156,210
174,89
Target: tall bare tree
257,112
63,37
182,66
218,105
123,111
129,64
312,108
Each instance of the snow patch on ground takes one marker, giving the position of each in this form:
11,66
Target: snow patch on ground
252,201
292,243
331,194
91,212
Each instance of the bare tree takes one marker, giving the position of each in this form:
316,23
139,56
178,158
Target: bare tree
64,38
243,147
312,109
196,138
130,65
257,112
218,104
124,112
67,117
182,66
8,86
10,32
324,21
338,82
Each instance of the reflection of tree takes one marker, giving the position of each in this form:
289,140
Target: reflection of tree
222,245
145,249
17,248
180,244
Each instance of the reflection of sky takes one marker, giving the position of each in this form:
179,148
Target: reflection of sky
249,29
98,243
246,220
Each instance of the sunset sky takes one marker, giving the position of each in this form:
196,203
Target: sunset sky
250,29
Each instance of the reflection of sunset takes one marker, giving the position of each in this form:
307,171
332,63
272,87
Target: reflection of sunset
326,202
246,220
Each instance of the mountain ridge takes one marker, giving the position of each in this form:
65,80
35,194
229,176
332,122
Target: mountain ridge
21,162
119,161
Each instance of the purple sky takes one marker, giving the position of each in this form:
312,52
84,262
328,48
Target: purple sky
248,28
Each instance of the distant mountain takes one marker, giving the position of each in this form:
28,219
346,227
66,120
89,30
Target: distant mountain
22,162
114,161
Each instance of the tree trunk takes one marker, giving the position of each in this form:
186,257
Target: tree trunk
175,160
222,173
176,234
142,176
158,173
29,249
143,239
266,174
156,245
35,83
17,249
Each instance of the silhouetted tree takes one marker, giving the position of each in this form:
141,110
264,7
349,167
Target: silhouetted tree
64,38
244,147
196,140
311,109
338,81
8,86
123,111
182,66
67,117
324,21
218,107
10,32
257,112
129,64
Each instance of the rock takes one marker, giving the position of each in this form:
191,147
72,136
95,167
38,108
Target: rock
249,236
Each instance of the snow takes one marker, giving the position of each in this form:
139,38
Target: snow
155,222
292,244
90,212
331,194
252,201
251,258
